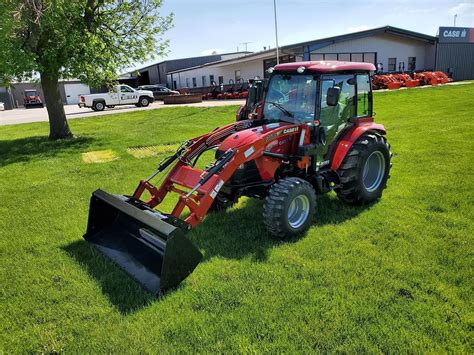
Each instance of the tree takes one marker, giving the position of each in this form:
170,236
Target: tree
91,40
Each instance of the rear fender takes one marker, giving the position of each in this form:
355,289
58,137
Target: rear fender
348,139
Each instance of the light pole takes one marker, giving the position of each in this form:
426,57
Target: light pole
455,16
276,30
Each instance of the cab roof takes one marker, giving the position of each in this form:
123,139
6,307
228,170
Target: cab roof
326,66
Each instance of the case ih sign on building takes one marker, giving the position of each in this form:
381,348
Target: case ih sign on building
456,34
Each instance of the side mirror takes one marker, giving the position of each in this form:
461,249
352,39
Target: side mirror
332,97
252,95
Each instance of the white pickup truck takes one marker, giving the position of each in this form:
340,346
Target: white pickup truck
121,95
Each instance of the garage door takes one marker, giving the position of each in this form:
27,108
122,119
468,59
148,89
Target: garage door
73,91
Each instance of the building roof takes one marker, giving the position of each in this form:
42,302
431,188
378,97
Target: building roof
211,57
324,42
326,66
374,31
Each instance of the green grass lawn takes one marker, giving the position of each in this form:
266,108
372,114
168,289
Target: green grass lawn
394,276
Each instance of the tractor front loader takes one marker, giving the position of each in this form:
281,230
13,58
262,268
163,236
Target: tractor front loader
311,132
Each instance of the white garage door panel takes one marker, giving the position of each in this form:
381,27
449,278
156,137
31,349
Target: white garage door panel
73,91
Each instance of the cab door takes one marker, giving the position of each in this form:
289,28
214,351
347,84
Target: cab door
127,95
354,102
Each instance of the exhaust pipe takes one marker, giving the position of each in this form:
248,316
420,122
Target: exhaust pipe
141,241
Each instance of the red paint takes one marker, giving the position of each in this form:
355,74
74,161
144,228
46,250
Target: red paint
247,136
349,138
326,66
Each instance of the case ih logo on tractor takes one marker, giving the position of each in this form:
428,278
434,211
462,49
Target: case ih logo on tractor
310,132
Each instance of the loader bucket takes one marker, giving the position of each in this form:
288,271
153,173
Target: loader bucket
139,240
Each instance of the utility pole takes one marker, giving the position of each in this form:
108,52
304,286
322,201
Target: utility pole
455,16
276,30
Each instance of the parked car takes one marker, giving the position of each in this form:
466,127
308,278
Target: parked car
159,92
2,106
121,95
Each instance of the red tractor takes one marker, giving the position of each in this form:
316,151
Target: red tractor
312,132
32,99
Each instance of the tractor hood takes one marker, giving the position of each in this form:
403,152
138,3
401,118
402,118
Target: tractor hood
250,135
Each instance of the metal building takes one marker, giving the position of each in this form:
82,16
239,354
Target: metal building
455,52
156,73
389,48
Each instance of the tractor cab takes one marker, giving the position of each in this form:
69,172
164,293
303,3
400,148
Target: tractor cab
329,95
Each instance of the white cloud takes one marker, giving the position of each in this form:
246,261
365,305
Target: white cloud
463,8
213,51
358,28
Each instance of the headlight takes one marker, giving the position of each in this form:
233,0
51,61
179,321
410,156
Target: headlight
301,70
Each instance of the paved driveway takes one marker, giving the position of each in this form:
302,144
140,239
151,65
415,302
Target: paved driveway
21,115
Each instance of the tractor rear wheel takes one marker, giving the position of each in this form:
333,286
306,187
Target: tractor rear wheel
289,207
364,171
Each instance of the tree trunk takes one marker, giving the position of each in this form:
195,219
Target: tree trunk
58,126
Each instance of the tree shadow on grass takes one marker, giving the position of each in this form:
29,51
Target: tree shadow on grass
26,149
234,234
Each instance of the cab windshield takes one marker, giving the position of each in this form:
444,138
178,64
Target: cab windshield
290,98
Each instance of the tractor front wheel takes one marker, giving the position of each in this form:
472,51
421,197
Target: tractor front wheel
364,171
289,207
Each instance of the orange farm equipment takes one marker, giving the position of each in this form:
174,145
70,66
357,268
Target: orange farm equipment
407,80
432,78
386,81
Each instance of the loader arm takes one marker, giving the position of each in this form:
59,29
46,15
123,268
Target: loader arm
197,188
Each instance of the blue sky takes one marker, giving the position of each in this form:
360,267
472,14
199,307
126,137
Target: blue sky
204,26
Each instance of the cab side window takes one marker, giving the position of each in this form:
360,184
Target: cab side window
347,98
363,92
346,107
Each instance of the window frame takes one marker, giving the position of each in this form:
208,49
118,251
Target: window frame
317,78
409,64
237,77
394,64
370,102
326,77
128,88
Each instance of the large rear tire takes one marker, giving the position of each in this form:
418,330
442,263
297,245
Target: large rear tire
289,208
365,170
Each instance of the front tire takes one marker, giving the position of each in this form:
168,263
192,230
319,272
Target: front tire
365,170
289,208
144,101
